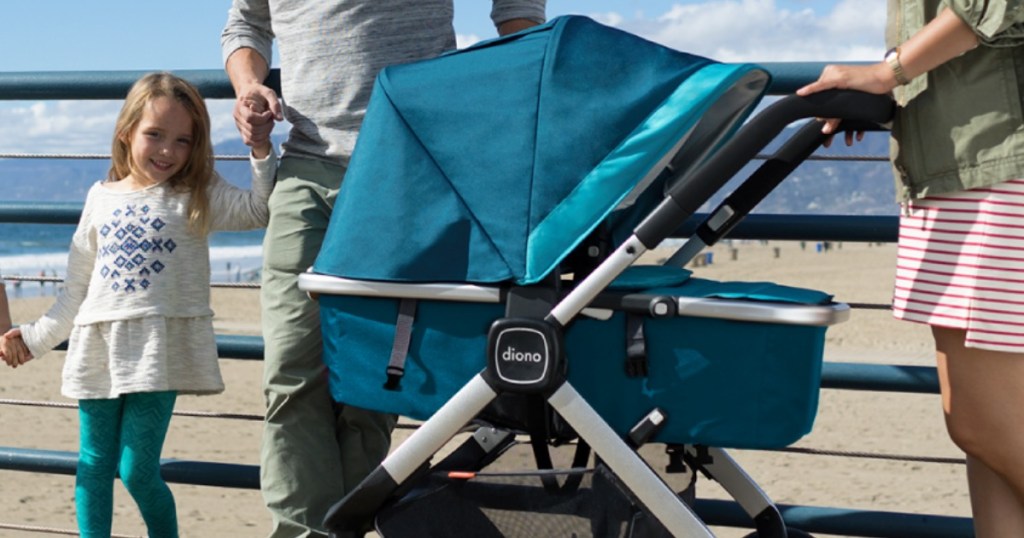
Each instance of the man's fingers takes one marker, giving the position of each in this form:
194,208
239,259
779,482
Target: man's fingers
276,109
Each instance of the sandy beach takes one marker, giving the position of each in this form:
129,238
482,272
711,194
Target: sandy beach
849,421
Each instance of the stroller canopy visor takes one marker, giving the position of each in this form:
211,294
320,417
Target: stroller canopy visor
491,163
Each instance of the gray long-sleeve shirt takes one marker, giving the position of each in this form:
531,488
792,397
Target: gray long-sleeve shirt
331,51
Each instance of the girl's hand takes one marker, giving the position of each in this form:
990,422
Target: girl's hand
13,348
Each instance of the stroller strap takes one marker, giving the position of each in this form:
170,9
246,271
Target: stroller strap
636,348
400,345
538,412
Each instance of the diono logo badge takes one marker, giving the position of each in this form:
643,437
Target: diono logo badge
510,354
522,355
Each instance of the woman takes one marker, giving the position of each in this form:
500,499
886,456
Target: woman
956,70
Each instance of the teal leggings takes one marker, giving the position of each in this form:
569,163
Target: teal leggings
126,435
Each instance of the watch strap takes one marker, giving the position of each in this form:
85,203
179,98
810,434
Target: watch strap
893,59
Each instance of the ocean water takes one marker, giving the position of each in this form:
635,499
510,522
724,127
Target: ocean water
34,250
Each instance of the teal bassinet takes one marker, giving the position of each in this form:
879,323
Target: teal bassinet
746,378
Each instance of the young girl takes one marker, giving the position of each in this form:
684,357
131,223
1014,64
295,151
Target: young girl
958,154
136,301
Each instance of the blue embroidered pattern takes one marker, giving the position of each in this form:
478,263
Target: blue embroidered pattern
132,249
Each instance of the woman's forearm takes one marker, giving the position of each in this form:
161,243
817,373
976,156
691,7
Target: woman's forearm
944,38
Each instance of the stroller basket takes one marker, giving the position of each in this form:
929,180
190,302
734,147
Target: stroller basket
518,505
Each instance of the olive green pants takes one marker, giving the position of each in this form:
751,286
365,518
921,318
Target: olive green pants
313,449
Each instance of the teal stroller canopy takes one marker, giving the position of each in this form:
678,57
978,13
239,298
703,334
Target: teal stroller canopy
492,163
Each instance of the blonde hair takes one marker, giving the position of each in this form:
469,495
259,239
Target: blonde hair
195,176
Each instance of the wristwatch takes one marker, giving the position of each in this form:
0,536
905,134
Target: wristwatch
892,57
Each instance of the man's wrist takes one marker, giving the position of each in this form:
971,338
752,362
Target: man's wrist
512,26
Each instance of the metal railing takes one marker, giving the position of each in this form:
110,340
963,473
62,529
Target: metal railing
786,77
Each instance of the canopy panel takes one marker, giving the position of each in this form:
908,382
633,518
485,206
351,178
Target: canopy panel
491,163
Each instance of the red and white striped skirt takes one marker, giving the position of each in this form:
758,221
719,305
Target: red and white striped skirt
960,264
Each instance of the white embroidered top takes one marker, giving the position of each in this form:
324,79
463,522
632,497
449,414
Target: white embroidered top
136,300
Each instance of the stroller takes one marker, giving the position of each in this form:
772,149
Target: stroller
479,269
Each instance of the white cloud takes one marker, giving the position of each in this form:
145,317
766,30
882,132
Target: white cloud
761,31
76,127
725,30
57,126
611,18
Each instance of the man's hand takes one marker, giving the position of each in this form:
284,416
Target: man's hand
256,109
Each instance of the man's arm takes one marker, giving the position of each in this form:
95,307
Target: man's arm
511,16
514,25
246,46
246,67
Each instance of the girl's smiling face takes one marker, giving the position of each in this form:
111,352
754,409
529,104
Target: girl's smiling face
161,143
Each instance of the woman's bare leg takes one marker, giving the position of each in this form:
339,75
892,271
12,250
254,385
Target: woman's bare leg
983,401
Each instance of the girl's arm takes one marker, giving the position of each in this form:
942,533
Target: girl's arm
232,208
55,326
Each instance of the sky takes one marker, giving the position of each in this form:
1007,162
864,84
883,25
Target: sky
113,35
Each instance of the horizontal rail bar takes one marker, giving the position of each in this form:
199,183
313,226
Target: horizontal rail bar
229,346
214,83
842,521
789,227
110,85
240,347
201,473
865,228
834,375
880,377
41,212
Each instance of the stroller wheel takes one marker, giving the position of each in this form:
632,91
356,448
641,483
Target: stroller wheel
790,533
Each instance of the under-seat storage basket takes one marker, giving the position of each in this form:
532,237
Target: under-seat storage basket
519,505
748,382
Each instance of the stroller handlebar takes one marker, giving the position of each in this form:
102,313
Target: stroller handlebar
844,104
694,186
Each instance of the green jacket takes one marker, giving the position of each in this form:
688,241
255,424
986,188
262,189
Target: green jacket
961,126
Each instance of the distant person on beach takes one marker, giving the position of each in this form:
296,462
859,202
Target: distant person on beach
136,302
314,451
958,154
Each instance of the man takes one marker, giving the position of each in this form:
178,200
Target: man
314,451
